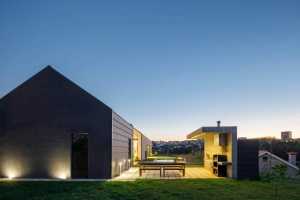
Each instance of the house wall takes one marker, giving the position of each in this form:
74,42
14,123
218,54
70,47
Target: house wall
22,157
210,149
231,149
265,166
38,118
137,147
146,147
122,132
248,159
143,147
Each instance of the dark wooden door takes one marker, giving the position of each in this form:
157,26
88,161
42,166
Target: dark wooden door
79,156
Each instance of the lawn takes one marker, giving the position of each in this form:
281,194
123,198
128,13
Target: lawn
149,189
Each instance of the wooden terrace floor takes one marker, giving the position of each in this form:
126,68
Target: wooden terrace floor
190,173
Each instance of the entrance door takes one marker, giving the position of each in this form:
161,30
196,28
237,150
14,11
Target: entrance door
79,155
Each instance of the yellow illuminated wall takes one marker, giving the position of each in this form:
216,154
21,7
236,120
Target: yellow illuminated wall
146,147
211,148
137,145
141,146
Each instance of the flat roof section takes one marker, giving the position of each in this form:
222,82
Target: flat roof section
199,133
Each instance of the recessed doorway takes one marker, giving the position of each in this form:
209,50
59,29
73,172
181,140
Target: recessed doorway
80,157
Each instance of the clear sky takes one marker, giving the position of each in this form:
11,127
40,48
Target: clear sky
168,67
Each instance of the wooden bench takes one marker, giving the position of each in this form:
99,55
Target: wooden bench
174,167
162,166
150,167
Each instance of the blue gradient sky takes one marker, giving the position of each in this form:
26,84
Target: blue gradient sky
168,67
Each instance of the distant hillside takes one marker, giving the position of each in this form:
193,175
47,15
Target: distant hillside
177,147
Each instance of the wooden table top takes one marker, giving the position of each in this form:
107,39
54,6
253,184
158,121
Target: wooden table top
157,162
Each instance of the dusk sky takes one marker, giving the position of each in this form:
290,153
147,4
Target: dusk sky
168,67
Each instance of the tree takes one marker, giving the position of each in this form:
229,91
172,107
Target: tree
277,175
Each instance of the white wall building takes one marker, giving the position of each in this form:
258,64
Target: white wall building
267,161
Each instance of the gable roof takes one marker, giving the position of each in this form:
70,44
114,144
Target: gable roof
44,74
262,153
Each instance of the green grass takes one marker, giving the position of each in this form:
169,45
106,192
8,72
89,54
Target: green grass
220,189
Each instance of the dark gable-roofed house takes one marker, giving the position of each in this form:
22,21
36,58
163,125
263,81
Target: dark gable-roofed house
51,128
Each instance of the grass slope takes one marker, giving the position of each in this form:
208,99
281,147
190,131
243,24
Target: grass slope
149,189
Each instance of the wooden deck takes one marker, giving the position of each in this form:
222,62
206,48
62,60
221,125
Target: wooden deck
190,173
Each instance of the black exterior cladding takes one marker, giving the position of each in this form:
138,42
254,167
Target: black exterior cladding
248,159
37,120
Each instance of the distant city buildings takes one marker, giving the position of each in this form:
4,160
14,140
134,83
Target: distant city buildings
286,136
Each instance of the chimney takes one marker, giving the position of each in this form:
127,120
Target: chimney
219,123
292,157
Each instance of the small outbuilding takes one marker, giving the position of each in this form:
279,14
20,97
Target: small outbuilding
220,149
225,155
268,161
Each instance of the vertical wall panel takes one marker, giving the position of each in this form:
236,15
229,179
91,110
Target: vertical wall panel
145,143
248,159
122,133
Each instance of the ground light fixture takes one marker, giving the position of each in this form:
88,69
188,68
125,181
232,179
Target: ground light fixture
120,166
10,176
62,175
129,163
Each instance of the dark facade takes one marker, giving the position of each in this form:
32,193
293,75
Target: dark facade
37,120
248,159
